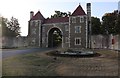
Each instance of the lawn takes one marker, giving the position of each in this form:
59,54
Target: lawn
40,64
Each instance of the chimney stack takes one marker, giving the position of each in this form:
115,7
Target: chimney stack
119,7
31,14
89,11
89,24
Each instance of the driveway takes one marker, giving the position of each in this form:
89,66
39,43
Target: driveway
13,52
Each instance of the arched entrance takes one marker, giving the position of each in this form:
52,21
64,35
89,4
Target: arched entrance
55,37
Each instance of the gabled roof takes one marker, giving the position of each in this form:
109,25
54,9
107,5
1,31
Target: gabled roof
38,16
56,20
79,11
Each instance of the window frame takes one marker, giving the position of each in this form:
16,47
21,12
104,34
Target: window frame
78,41
81,19
73,19
78,30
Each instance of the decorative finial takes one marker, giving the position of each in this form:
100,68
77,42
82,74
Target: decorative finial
79,3
39,10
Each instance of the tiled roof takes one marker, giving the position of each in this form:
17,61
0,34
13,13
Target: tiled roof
37,16
78,11
56,20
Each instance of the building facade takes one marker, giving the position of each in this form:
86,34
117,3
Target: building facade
73,30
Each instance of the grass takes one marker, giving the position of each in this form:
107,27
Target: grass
40,64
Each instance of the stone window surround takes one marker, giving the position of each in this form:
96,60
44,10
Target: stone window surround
77,30
78,41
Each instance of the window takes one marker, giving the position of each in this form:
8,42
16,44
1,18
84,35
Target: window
73,20
77,41
81,19
77,29
67,39
66,28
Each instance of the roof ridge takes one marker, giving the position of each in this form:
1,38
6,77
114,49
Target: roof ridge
56,20
38,16
78,11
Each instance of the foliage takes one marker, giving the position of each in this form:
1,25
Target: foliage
57,40
14,26
7,29
95,25
111,22
60,14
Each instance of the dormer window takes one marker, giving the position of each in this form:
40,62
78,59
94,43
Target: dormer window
73,20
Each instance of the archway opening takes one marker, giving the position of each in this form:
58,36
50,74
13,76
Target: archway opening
54,38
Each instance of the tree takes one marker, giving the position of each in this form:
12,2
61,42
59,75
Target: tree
6,29
57,39
111,23
13,25
117,22
95,26
60,14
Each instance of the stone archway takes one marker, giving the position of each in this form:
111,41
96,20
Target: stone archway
55,37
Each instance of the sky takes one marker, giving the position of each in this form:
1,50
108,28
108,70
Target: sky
20,9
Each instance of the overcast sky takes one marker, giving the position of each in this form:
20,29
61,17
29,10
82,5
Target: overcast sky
20,9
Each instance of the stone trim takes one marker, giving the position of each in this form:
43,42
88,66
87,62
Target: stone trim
56,23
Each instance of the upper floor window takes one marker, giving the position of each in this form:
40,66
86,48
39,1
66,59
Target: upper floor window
81,19
73,20
77,29
78,41
66,28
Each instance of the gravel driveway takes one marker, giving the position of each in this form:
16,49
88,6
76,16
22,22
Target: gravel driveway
13,52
